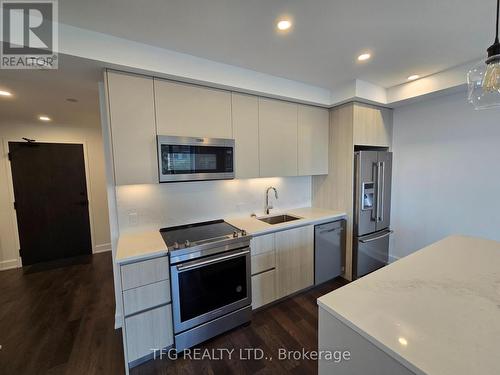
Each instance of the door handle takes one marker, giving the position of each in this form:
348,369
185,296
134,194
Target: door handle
330,230
374,211
378,237
198,264
377,208
382,191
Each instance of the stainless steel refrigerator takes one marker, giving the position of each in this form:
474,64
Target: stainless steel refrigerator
372,210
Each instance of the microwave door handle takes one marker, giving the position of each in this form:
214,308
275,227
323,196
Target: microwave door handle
202,263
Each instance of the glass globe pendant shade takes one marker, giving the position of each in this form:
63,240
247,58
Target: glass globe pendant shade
483,82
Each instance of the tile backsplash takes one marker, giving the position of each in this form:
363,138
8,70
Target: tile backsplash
150,207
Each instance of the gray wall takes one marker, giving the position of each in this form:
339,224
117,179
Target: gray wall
446,173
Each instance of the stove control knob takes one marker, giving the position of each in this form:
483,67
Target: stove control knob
235,234
176,245
187,243
243,232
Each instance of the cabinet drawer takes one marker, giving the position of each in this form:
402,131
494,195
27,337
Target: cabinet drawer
262,244
263,288
263,262
150,330
145,272
146,297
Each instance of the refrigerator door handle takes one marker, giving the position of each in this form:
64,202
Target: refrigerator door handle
374,213
377,209
378,237
382,191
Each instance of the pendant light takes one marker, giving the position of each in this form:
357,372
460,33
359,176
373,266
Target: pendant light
483,80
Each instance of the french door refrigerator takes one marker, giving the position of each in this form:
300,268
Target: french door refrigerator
372,210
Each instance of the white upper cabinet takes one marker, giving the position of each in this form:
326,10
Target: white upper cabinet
277,138
245,116
312,140
192,111
133,131
372,126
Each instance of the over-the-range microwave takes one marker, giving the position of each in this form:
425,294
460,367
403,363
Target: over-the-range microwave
195,159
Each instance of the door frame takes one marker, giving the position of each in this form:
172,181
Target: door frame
10,184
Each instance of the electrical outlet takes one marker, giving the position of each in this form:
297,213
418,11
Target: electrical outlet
133,218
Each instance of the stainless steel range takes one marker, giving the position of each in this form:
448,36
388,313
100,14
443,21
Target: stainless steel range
210,280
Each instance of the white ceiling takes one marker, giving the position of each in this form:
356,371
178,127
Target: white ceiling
38,92
405,37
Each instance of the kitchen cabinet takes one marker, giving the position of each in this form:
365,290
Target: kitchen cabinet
245,117
263,288
263,253
144,297
294,260
149,330
192,111
277,138
147,308
144,273
132,121
263,260
372,126
312,140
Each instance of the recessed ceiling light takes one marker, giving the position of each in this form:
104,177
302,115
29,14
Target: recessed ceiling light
5,93
364,57
403,341
413,77
284,25
44,118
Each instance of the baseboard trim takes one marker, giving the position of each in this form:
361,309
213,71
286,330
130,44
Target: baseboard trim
393,258
102,248
8,264
118,320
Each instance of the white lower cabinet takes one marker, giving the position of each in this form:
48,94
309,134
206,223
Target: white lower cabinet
146,307
151,329
263,288
282,264
294,260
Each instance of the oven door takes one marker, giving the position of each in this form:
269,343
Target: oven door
191,159
209,287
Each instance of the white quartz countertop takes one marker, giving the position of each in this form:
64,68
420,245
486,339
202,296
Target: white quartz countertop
140,246
436,311
146,245
307,215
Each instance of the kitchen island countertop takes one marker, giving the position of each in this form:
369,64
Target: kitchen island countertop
436,311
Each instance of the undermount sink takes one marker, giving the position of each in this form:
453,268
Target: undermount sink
278,219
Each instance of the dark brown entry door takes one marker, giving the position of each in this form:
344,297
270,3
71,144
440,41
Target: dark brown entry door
51,200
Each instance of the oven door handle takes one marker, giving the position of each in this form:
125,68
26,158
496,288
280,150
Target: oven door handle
201,263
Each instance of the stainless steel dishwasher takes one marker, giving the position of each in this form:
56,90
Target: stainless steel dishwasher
329,249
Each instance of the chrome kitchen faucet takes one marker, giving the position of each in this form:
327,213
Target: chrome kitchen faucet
268,206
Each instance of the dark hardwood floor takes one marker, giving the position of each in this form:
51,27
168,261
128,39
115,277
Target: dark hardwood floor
290,324
58,318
